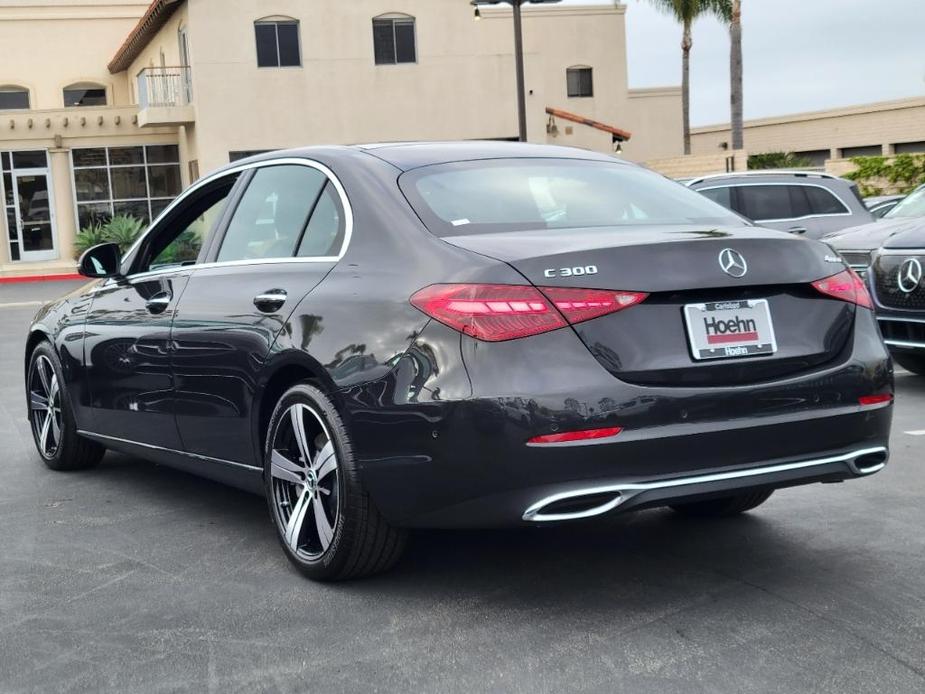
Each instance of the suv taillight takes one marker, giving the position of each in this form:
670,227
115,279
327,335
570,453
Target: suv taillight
497,312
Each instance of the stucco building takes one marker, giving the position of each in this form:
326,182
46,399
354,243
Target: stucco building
114,107
882,128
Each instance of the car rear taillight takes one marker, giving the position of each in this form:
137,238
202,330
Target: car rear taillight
497,312
846,286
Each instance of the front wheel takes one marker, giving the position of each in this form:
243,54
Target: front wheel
725,506
327,524
53,427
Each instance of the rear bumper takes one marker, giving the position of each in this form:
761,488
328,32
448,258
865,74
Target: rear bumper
594,501
442,441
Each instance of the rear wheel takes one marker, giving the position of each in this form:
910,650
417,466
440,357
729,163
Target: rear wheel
326,522
725,506
913,363
53,427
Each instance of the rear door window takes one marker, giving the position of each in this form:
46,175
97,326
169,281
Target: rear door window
325,232
273,213
769,202
721,195
822,201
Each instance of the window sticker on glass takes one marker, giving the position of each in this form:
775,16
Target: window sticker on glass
460,222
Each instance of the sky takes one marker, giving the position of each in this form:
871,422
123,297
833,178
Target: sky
799,55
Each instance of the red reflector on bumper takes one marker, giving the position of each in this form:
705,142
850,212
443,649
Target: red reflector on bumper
865,400
568,436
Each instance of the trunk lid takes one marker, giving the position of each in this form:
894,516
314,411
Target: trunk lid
679,266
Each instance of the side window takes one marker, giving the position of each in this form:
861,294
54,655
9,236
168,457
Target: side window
721,195
822,201
273,213
325,233
766,202
180,236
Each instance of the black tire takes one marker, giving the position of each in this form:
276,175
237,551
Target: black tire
726,506
359,541
914,363
66,450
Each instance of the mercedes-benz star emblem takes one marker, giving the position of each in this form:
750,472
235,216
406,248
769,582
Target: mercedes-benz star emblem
732,263
909,275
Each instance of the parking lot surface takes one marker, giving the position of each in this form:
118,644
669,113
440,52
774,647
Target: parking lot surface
136,578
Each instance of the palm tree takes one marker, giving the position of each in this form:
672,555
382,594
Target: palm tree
735,74
686,11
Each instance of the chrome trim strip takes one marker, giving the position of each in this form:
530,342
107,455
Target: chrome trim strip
623,492
298,161
901,251
208,459
904,343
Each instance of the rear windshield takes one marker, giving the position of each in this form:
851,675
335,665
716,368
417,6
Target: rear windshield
483,197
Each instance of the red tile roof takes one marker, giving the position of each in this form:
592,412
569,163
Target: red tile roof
157,14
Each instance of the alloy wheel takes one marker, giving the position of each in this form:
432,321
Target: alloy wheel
304,481
45,407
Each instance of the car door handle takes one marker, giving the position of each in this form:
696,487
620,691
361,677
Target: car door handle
159,302
271,300
797,230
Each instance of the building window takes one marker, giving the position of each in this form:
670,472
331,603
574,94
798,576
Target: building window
580,81
84,95
13,97
909,147
138,181
394,40
278,43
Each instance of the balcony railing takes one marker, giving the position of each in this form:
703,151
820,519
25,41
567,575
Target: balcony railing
165,87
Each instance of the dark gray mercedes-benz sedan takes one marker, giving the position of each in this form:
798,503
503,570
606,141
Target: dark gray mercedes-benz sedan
462,335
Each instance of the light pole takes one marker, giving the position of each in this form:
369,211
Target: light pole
518,54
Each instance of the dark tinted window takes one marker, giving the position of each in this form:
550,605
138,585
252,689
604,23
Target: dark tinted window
580,81
394,41
822,201
535,194
277,44
80,96
179,239
12,97
769,202
325,233
723,196
272,214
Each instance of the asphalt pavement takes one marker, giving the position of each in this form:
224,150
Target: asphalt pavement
137,578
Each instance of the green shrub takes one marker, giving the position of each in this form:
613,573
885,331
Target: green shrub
875,175
121,229
87,238
777,160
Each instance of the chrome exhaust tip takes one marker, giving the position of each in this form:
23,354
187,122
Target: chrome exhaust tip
594,501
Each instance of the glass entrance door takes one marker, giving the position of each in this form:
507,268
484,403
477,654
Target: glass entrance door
35,220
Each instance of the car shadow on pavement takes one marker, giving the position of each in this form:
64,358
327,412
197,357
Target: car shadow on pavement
646,558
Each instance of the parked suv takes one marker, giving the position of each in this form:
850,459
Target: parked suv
896,282
813,204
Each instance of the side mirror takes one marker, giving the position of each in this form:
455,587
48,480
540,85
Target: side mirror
101,261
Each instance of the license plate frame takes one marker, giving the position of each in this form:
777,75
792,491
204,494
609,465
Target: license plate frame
740,343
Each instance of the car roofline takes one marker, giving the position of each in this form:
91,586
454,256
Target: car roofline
765,172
